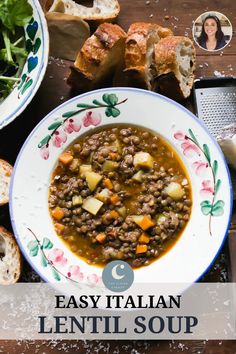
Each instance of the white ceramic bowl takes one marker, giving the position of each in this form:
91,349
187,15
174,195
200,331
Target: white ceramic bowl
36,34
205,233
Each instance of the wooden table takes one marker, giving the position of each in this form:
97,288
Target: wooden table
178,15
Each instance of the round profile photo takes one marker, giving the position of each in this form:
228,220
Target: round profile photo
212,31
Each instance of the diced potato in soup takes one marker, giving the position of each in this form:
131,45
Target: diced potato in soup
138,176
143,159
109,166
103,195
84,168
92,179
174,190
77,200
92,205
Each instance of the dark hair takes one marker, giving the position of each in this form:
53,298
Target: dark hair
219,33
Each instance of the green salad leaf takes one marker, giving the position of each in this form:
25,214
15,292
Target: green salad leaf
5,88
17,51
15,13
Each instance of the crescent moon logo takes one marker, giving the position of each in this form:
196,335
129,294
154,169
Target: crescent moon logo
114,272
117,275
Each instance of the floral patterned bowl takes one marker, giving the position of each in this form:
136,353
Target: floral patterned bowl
37,44
205,233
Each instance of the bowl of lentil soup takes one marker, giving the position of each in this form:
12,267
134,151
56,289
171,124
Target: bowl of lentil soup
120,174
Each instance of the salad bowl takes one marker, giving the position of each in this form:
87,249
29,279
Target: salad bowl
33,69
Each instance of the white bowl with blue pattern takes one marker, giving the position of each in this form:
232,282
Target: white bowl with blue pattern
37,43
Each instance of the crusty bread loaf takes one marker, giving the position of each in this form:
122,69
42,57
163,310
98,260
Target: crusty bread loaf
5,176
98,58
10,258
175,59
67,34
101,11
139,51
150,58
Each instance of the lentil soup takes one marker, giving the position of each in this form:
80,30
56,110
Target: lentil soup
120,192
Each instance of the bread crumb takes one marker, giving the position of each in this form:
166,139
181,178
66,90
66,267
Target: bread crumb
147,2
167,17
218,74
151,16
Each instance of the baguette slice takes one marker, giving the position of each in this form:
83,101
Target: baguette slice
67,34
5,176
10,258
98,58
139,51
101,11
175,59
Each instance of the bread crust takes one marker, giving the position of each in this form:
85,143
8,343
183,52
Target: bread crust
81,82
97,18
140,37
10,240
93,54
168,68
7,170
137,42
96,48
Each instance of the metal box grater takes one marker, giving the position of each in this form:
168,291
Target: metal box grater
215,104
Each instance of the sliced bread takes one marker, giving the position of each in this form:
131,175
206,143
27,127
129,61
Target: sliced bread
97,60
175,59
101,11
10,258
5,176
67,34
139,52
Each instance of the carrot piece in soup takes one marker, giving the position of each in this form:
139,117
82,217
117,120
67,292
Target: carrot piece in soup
146,223
114,214
58,213
144,238
59,227
101,238
108,183
143,221
65,158
115,199
141,249
113,155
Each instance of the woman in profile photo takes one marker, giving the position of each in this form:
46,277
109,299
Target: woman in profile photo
212,36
